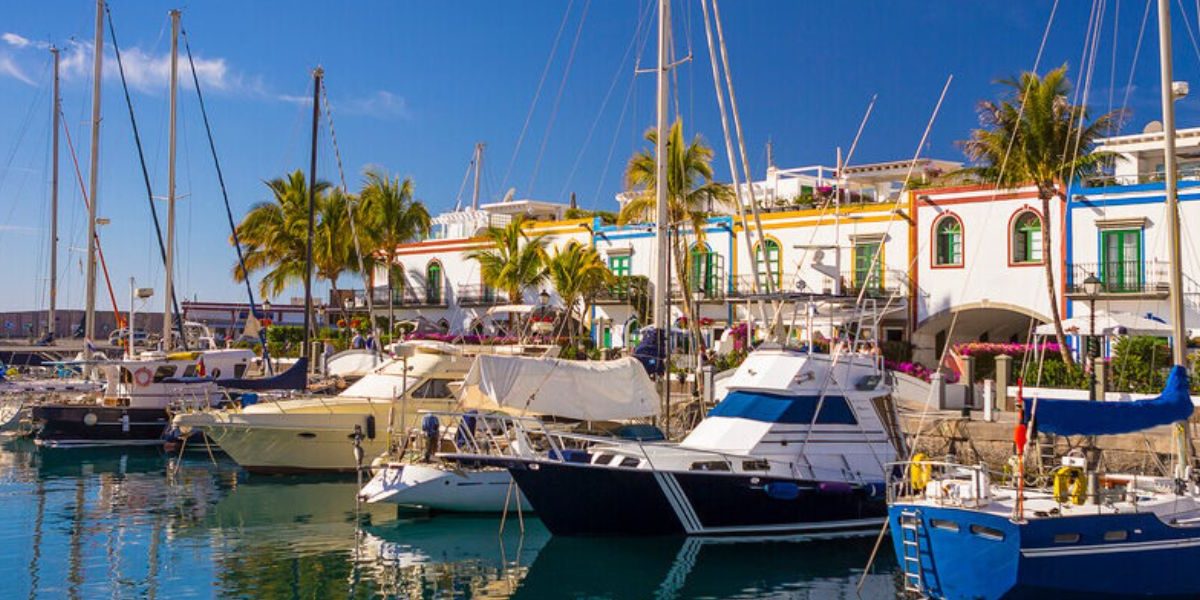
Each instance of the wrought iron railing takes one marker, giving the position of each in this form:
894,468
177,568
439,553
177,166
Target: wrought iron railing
479,295
1120,277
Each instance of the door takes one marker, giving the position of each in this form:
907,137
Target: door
1121,270
868,269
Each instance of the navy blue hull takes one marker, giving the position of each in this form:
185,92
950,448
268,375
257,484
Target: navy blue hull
580,499
967,554
83,425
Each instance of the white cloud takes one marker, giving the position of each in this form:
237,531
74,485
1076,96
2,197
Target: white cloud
13,39
381,104
9,68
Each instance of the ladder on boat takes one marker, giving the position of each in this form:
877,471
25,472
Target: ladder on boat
910,543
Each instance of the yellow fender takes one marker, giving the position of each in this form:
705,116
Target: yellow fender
1070,485
920,471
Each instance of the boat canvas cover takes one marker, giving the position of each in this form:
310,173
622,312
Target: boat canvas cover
1110,323
589,391
1079,417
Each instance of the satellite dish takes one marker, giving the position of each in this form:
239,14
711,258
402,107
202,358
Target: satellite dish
1153,127
512,193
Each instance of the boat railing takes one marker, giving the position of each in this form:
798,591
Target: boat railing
942,483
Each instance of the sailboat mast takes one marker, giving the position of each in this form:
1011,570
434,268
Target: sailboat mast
318,73
1179,331
478,166
51,314
662,320
93,183
169,269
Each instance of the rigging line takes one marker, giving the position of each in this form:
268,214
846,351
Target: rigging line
562,85
463,186
34,103
1083,95
603,104
212,147
1137,49
1191,33
162,248
87,205
613,145
362,268
537,93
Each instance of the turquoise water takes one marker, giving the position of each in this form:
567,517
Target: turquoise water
133,523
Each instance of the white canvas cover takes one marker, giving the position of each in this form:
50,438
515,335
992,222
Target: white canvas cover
1116,323
590,391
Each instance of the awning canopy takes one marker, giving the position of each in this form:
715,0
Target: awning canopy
589,391
510,308
1117,323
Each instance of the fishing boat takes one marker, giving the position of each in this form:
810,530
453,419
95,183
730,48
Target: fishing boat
133,408
1090,534
314,433
516,404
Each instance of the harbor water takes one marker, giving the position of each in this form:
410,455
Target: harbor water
120,523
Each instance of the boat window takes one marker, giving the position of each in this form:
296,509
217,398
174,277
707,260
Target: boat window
1116,536
164,372
125,375
756,465
601,459
629,461
216,373
944,524
1066,538
433,388
781,408
239,370
189,371
990,533
710,465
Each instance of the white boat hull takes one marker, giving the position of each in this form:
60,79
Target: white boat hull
439,487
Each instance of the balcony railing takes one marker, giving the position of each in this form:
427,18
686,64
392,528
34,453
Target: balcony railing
1186,173
479,295
624,290
884,284
1128,277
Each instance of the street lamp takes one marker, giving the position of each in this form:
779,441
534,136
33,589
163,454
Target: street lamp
544,299
1091,287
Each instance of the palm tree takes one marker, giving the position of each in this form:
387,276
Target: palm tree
514,261
691,197
1033,134
391,217
578,274
275,233
333,242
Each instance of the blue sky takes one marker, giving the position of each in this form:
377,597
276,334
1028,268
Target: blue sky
414,85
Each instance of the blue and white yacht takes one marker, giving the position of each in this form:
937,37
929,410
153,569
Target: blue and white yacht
798,445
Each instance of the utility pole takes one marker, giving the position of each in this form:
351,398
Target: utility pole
89,330
51,314
478,166
169,269
318,73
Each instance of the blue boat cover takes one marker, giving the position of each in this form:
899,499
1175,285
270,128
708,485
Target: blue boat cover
779,408
1075,417
295,378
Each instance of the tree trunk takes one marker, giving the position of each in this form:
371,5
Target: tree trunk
391,296
1045,194
686,293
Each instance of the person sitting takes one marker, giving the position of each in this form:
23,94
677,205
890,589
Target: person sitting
357,341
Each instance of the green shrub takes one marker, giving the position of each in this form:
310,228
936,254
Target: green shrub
1139,365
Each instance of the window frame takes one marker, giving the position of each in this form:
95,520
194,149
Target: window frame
1013,224
936,248
762,258
433,290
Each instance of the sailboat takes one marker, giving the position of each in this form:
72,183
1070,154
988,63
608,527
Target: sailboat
1092,534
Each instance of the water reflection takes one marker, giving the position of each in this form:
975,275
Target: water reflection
133,522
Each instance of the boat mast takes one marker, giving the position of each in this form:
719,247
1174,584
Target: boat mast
169,270
89,331
478,165
1179,332
318,73
51,315
662,320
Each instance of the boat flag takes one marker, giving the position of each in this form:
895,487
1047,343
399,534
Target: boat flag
200,370
253,326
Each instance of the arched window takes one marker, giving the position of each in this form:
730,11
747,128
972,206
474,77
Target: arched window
702,270
949,240
773,260
1026,243
633,333
433,283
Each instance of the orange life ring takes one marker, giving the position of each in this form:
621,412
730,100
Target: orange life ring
142,377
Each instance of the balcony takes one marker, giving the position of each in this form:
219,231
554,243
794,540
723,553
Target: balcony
1121,279
479,295
626,290
886,284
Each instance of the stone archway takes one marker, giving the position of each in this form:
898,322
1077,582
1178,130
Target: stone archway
979,321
